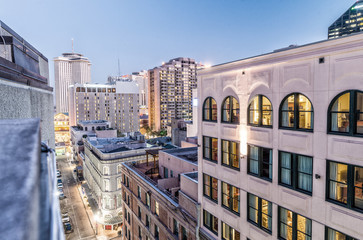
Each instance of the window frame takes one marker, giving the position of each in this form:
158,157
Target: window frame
350,186
210,109
347,237
296,114
353,114
294,224
259,212
260,162
210,222
230,155
294,173
210,146
230,200
260,112
230,232
210,187
230,109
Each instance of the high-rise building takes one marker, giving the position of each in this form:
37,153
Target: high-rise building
116,103
141,79
350,22
281,152
170,92
69,69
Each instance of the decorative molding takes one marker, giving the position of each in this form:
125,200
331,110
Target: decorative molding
300,72
347,213
258,181
295,194
294,135
347,141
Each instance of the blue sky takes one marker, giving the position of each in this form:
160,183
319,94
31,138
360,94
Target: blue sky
144,33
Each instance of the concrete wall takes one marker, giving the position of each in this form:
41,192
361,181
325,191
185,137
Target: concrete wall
20,101
276,76
174,163
189,186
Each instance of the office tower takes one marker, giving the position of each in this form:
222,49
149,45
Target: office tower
281,144
116,103
141,79
102,171
69,69
170,92
29,205
62,135
350,22
159,195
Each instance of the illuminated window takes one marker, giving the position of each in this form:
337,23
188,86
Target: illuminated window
156,208
331,234
259,212
230,154
293,226
296,112
210,222
229,233
260,111
230,110
210,187
210,110
210,148
346,114
230,197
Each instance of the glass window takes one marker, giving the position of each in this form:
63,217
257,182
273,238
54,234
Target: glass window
147,199
210,148
346,113
259,161
156,208
119,183
331,234
345,184
210,110
260,111
175,227
230,197
260,212
184,233
156,232
293,226
296,171
229,233
210,187
138,191
230,110
210,222
230,154
296,112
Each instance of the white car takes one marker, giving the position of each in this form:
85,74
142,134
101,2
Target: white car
65,217
59,173
60,185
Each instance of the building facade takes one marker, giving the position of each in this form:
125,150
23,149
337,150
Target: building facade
170,92
69,69
281,147
350,22
116,103
62,134
102,172
160,197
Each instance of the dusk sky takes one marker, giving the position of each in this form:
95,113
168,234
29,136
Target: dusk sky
144,33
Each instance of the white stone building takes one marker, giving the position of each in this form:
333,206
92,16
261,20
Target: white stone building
116,103
281,152
69,69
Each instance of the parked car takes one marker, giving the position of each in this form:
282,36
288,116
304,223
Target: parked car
60,185
59,173
59,180
67,227
65,217
61,195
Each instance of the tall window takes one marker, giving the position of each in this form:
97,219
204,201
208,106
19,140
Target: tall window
345,184
156,232
260,112
184,233
119,168
119,183
259,161
230,110
106,171
166,172
260,212
346,113
106,184
230,154
331,234
293,226
139,211
147,199
147,221
296,112
210,148
296,171
229,233
210,187
230,197
157,208
138,191
210,222
175,227
210,110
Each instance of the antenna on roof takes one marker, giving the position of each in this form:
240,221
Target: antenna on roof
72,46
119,72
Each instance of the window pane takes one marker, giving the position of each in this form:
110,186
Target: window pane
338,189
340,114
285,168
359,112
215,149
206,109
266,214
285,224
287,119
358,187
289,103
214,110
254,111
342,103
335,235
253,159
215,189
225,152
266,118
305,120
226,110
266,163
305,171
304,103
303,228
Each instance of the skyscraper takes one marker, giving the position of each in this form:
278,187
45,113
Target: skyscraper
170,91
350,22
70,68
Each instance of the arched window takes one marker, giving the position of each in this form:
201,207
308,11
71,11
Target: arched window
210,110
230,110
296,112
346,113
260,112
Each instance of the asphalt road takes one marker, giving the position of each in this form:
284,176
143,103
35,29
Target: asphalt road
82,229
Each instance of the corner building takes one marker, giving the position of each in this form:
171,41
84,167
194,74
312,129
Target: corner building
281,153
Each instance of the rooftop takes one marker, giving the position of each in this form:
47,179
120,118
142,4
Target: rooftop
188,154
